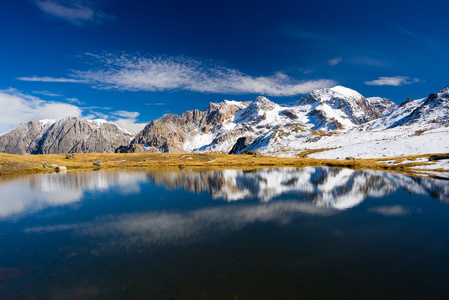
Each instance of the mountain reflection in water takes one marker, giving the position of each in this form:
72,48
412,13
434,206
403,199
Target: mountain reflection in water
324,187
268,234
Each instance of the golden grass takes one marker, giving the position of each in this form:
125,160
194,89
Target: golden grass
19,164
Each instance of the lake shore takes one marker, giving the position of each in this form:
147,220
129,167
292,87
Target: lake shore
418,165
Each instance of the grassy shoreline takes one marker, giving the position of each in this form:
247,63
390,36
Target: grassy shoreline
23,164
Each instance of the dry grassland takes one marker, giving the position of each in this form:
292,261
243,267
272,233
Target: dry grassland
19,164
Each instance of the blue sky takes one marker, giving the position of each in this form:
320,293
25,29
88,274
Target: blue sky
134,61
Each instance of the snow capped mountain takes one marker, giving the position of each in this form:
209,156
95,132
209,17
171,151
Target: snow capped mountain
68,135
221,124
332,123
342,108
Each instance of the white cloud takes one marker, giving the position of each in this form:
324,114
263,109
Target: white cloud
126,114
74,100
334,61
50,79
18,107
76,12
156,103
129,124
47,93
128,120
393,81
178,73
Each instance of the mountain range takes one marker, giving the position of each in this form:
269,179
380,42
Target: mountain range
333,122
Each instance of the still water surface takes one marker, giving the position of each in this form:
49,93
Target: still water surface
307,233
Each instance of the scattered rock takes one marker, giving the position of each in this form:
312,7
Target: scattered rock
132,148
181,167
252,152
46,166
70,156
350,158
97,163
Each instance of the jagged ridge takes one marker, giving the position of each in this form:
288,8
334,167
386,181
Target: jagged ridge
68,135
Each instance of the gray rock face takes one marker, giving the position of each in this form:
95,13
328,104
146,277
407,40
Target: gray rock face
68,135
24,139
170,133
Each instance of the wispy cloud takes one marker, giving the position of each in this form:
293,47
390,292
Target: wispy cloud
50,79
76,12
393,81
334,61
129,73
74,100
156,103
179,73
47,93
369,61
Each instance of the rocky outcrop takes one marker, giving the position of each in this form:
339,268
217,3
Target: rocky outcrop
241,144
173,131
68,135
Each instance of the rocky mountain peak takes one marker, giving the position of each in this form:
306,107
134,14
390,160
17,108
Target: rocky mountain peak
68,135
383,105
340,107
257,110
330,96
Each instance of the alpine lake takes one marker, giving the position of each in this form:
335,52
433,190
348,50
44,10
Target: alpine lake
286,233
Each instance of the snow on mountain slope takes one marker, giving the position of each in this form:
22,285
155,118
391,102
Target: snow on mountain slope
416,127
221,124
395,117
434,112
341,108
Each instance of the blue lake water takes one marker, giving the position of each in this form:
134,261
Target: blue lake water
289,233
